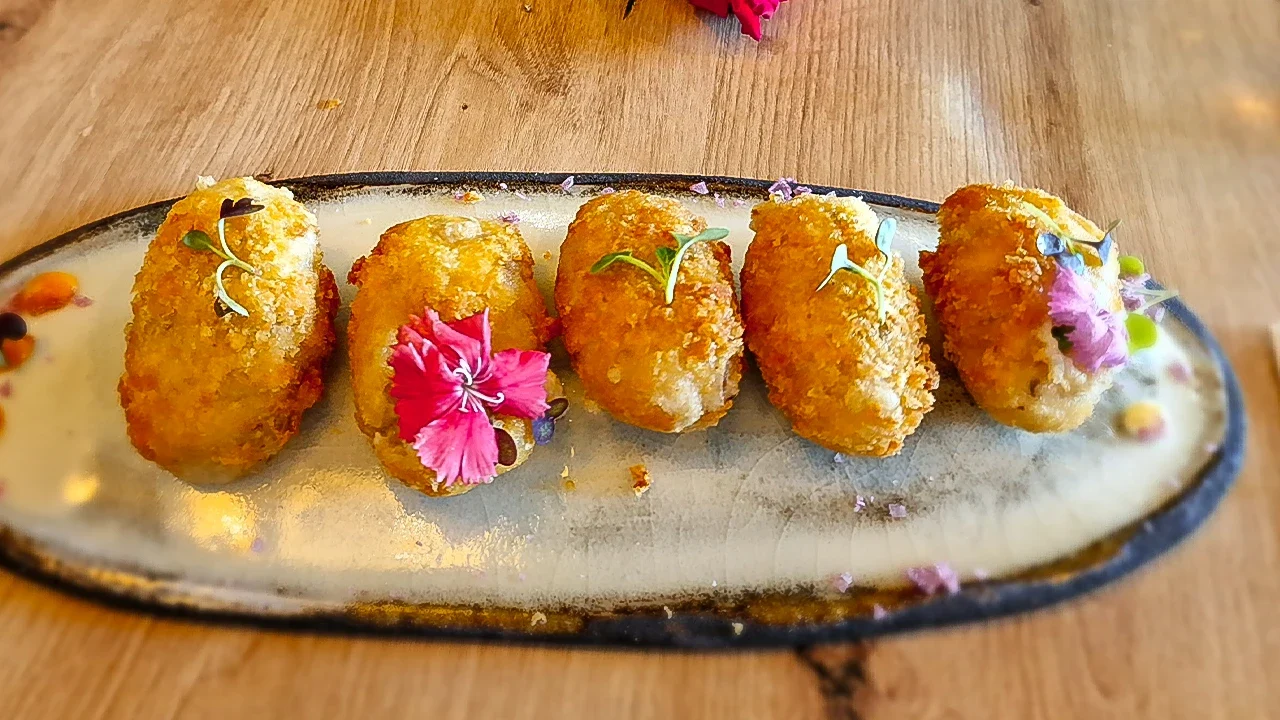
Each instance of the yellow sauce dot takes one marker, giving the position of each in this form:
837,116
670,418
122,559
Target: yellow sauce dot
1143,420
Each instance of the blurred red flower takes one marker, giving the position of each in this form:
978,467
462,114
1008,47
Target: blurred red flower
749,12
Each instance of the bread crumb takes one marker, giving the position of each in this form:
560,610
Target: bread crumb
737,628
538,618
367,221
329,104
546,255
640,479
667,610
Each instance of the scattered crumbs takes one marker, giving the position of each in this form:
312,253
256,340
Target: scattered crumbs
719,200
739,202
1179,372
329,104
842,582
509,217
565,472
567,184
737,628
802,190
700,187
859,504
839,458
418,543
538,618
204,182
933,579
573,452
640,479
665,609
521,195
981,574
897,511
1143,420
590,405
257,545
528,7
607,191
878,612
546,255
82,301
714,583
502,186
85,132
367,221
6,389
467,197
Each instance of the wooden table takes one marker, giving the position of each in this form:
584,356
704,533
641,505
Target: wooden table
1163,113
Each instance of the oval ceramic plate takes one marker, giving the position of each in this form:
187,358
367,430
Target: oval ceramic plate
742,538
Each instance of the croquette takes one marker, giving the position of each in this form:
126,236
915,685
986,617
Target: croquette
852,373
457,267
664,366
990,284
209,393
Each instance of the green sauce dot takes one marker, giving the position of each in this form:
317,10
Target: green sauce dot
1143,331
1131,265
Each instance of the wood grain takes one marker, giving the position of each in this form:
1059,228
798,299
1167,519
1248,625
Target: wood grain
1165,114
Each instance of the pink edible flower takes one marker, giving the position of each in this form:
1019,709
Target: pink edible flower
502,186
935,578
509,217
803,190
700,188
748,12
567,184
739,202
878,612
1096,335
842,582
782,188
607,191
897,511
82,301
1179,372
859,504
446,381
521,195
719,200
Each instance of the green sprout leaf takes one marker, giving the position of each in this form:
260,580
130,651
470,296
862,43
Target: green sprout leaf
884,236
200,240
840,261
1143,331
669,259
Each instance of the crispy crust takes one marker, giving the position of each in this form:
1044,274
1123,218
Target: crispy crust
990,289
458,267
662,367
209,398
844,379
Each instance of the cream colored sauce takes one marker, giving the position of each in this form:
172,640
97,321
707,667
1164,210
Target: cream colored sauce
745,506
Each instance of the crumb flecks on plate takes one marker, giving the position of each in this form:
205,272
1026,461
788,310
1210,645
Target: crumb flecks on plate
932,579
640,479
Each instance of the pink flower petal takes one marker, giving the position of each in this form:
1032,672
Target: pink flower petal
935,578
1098,337
607,191
459,447
567,184
502,186
521,377
509,217
878,612
842,582
424,387
719,200
699,188
466,339
897,511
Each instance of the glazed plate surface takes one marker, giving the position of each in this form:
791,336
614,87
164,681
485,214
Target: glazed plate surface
736,543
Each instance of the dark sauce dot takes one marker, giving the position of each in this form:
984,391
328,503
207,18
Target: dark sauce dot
506,447
12,326
557,408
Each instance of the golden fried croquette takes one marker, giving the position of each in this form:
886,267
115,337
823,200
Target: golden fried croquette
662,367
458,267
845,379
990,286
207,393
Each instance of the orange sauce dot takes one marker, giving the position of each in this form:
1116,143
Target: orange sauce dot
16,352
46,292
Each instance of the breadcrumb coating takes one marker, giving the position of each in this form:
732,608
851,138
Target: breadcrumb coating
844,379
458,267
661,367
990,287
209,397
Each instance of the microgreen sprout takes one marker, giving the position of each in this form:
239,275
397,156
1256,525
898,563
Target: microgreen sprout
1069,251
669,259
200,240
884,243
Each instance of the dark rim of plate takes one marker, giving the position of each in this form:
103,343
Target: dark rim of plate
689,626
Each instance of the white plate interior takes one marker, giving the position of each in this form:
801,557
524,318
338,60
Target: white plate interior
745,507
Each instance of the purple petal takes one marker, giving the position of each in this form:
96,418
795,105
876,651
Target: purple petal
567,184
700,188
